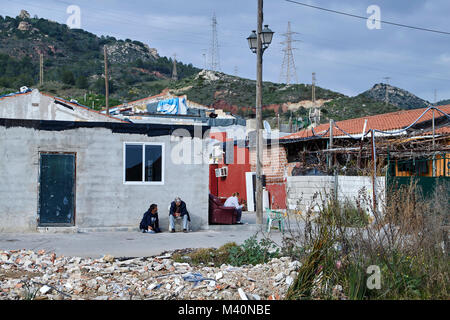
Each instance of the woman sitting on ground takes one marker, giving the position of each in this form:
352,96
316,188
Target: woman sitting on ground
150,221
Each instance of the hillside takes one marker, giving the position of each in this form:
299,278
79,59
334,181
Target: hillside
74,58
238,94
395,96
443,102
73,69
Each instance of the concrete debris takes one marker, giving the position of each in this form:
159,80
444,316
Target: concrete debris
53,277
45,289
108,258
242,294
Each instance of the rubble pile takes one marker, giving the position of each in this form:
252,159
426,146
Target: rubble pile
44,276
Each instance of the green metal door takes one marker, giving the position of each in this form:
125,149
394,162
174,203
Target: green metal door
57,190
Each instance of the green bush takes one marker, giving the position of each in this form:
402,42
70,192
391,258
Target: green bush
250,252
253,252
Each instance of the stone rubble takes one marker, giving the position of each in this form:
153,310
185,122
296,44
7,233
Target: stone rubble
41,275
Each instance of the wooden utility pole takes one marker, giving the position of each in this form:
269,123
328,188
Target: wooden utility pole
259,137
433,131
314,89
330,145
174,68
374,161
41,69
106,81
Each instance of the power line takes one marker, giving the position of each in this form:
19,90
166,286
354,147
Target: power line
365,18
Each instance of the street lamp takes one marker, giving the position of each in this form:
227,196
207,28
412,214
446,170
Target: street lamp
266,39
259,41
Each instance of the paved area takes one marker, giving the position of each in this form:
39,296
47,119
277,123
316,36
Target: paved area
132,244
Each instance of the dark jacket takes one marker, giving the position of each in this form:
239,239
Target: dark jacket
151,220
183,209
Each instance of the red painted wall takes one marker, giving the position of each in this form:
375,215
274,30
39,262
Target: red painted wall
277,195
235,181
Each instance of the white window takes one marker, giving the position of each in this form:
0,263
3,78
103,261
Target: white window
143,163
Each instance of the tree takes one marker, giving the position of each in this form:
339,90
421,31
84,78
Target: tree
68,77
82,82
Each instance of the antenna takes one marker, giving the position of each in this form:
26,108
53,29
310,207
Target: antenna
214,50
236,71
174,69
288,68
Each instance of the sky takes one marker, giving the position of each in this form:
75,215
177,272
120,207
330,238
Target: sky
345,54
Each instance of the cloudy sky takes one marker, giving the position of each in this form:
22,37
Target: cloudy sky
346,55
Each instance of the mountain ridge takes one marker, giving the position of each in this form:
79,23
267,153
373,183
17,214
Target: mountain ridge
73,68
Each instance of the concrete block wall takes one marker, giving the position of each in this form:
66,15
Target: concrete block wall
101,197
301,190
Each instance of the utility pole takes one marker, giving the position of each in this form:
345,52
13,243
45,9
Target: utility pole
374,161
259,136
106,81
41,69
330,145
314,89
174,69
433,131
387,85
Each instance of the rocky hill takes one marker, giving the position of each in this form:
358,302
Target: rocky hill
443,102
73,69
74,58
398,97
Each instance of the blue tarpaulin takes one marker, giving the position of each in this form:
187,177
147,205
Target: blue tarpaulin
172,106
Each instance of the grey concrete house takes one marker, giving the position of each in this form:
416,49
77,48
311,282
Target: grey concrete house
41,106
92,175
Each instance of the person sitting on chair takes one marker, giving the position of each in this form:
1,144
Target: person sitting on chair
178,209
233,201
150,221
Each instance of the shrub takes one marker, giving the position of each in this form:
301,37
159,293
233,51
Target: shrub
252,252
406,242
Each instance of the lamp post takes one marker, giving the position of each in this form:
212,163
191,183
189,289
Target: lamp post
258,41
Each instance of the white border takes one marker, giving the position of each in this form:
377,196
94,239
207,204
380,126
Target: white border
163,163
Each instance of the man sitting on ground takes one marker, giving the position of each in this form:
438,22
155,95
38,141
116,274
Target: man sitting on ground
150,221
233,201
178,209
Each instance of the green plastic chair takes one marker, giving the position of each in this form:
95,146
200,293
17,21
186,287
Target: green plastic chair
275,216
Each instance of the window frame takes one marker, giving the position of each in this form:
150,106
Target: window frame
143,182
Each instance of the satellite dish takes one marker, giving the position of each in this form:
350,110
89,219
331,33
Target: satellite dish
267,127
